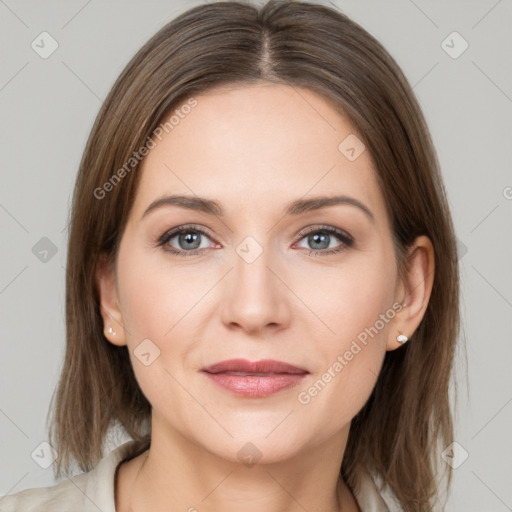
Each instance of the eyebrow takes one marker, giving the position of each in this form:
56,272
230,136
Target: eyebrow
296,207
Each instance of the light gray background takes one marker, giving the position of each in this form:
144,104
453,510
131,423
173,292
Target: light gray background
47,109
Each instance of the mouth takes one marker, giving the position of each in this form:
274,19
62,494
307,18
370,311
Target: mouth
254,379
263,367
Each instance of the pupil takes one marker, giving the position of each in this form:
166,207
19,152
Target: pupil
315,239
190,238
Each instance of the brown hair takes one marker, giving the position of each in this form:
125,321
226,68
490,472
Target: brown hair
407,419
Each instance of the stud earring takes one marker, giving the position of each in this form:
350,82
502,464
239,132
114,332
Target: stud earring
401,338
111,331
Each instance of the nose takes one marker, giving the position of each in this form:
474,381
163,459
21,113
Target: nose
256,298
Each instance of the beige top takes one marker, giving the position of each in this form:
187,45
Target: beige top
94,491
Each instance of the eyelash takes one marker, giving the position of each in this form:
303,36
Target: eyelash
345,238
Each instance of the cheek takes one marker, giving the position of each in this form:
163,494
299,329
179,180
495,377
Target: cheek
157,295
355,302
163,302
157,304
351,297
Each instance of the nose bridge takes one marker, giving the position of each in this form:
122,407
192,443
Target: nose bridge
256,297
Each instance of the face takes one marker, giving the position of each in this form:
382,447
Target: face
254,280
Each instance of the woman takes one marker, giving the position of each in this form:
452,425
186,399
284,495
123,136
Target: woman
262,281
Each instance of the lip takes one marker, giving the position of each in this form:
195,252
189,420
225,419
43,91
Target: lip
263,366
254,379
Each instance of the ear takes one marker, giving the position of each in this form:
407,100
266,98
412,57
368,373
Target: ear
413,292
113,328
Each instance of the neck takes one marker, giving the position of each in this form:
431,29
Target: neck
176,474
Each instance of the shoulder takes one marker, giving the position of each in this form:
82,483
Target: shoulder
87,492
372,496
56,498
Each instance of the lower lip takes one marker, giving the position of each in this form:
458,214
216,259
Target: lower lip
256,386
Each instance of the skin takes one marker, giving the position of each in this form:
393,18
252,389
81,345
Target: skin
254,149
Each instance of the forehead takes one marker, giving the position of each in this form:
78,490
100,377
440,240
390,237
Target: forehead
248,145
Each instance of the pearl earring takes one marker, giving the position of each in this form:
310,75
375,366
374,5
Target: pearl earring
111,331
401,338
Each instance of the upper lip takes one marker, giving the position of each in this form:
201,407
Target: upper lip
264,366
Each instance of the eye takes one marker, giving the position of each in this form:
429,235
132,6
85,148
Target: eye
189,240
321,239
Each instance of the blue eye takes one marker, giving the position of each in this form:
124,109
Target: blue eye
188,237
189,240
321,237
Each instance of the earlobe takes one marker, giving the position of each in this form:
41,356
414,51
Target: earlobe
113,328
416,290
